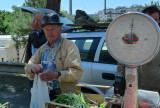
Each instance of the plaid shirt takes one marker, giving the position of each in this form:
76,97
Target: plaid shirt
48,62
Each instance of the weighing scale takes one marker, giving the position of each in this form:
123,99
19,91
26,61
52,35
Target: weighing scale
132,39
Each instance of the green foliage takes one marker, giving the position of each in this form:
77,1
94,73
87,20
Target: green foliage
35,3
96,18
65,13
103,20
20,27
5,20
103,105
21,24
72,99
107,20
3,106
152,3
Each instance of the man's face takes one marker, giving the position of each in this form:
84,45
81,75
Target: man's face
38,20
155,16
52,32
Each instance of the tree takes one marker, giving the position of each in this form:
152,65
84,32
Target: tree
66,14
152,3
5,20
20,28
35,3
109,20
54,5
96,18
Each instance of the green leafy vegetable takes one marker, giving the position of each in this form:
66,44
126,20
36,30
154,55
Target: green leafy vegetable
103,105
72,99
2,106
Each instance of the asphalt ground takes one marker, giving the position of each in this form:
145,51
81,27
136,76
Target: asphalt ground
14,89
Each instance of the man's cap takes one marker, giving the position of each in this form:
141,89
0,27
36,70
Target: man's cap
51,19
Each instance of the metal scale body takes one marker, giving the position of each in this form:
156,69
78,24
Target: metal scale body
133,39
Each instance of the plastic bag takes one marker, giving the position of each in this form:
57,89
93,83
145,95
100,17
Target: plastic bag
39,93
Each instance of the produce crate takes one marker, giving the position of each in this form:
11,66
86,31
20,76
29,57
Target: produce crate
99,98
90,98
7,105
53,105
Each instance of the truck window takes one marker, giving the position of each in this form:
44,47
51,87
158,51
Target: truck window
105,57
87,47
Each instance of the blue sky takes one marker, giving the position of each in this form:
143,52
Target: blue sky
90,6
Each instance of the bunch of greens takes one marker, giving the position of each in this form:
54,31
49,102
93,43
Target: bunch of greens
72,99
103,105
2,106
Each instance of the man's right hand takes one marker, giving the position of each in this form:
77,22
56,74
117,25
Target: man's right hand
37,69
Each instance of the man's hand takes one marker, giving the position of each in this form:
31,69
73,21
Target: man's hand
37,69
48,75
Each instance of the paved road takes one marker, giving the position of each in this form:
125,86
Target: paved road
14,89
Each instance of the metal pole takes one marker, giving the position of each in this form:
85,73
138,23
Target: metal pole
131,91
70,7
104,7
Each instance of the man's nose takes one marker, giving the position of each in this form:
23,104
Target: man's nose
50,32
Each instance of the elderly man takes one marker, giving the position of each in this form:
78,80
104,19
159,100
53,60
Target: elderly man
57,61
36,38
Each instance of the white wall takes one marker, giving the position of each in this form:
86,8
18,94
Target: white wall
8,51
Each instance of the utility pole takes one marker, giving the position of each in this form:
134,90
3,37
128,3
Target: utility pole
104,7
70,7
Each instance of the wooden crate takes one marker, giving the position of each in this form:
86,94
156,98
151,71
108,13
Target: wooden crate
89,97
53,105
99,98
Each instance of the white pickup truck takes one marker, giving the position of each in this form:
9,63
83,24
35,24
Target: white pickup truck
95,58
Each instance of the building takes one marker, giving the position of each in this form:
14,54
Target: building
8,52
114,13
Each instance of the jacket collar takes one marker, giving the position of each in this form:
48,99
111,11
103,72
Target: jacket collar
56,44
60,43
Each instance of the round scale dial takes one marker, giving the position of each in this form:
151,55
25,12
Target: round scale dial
133,38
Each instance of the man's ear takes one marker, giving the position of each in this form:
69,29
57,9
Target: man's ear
60,29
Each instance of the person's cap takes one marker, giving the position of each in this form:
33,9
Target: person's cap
51,19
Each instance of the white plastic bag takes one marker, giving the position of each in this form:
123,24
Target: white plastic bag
39,93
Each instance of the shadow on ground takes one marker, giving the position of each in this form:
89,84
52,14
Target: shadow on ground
14,89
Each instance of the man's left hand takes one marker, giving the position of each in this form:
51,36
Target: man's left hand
48,75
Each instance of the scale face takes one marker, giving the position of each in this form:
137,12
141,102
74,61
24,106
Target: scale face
133,38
